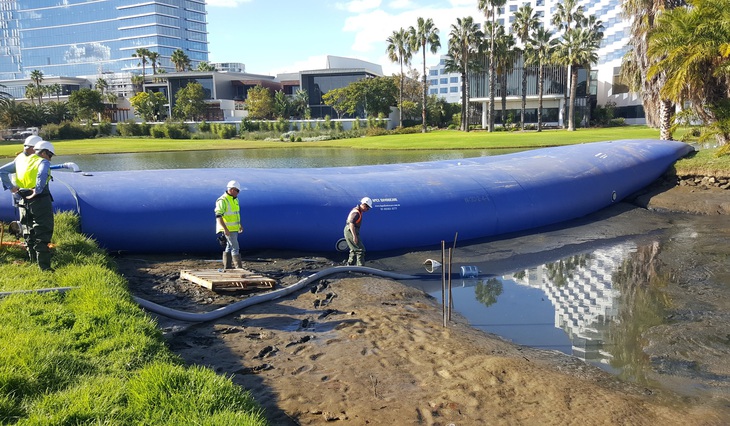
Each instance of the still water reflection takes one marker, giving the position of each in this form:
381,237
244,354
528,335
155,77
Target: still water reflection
593,305
263,158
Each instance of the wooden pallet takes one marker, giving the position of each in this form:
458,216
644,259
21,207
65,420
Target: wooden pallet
228,279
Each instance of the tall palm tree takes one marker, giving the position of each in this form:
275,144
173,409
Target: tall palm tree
101,85
181,60
567,15
424,36
539,52
643,17
56,89
526,22
578,48
504,57
142,54
37,77
491,9
464,40
689,45
154,58
399,50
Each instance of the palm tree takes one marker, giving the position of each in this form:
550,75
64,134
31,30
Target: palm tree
526,22
565,18
137,83
539,52
56,89
399,50
491,9
689,45
181,60
464,40
578,48
142,54
101,85
154,58
205,66
504,57
37,77
424,36
643,17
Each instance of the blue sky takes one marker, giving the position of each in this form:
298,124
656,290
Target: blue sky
276,36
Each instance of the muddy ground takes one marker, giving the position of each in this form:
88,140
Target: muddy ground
359,349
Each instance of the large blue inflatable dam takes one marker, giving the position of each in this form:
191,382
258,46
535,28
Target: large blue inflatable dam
415,204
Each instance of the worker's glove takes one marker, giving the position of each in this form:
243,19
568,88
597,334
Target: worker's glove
222,240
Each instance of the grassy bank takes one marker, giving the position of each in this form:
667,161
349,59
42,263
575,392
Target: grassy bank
91,356
441,139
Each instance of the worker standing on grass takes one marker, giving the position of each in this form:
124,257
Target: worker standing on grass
22,158
32,174
352,232
228,225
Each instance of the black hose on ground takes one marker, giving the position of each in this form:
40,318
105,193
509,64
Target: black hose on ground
265,297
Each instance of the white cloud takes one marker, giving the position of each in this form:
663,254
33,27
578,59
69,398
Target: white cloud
401,4
358,6
226,3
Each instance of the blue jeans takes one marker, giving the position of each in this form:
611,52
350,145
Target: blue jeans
232,245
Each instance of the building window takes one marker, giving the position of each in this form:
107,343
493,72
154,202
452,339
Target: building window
444,81
454,80
433,72
454,89
619,86
433,91
444,90
434,82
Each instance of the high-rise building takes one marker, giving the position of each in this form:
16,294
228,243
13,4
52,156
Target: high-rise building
85,38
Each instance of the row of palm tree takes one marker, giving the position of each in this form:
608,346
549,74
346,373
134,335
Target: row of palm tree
575,48
178,58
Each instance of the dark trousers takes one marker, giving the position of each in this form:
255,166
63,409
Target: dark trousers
38,222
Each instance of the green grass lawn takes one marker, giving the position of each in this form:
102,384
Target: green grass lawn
440,139
91,356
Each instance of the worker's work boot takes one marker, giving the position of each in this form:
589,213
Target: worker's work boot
44,260
237,261
227,261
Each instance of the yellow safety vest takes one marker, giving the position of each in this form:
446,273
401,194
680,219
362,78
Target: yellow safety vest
231,213
26,171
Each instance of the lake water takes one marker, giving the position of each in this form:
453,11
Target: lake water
263,158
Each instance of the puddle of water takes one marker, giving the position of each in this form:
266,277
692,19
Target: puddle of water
592,305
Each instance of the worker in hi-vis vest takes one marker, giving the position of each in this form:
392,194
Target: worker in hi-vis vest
32,174
228,225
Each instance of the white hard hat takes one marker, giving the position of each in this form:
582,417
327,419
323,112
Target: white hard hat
368,201
32,140
39,146
233,184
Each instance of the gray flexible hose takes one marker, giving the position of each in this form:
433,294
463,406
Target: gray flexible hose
253,300
39,291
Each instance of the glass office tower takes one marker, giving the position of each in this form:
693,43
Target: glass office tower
90,37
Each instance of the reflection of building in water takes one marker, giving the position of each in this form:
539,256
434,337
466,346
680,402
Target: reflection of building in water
581,290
